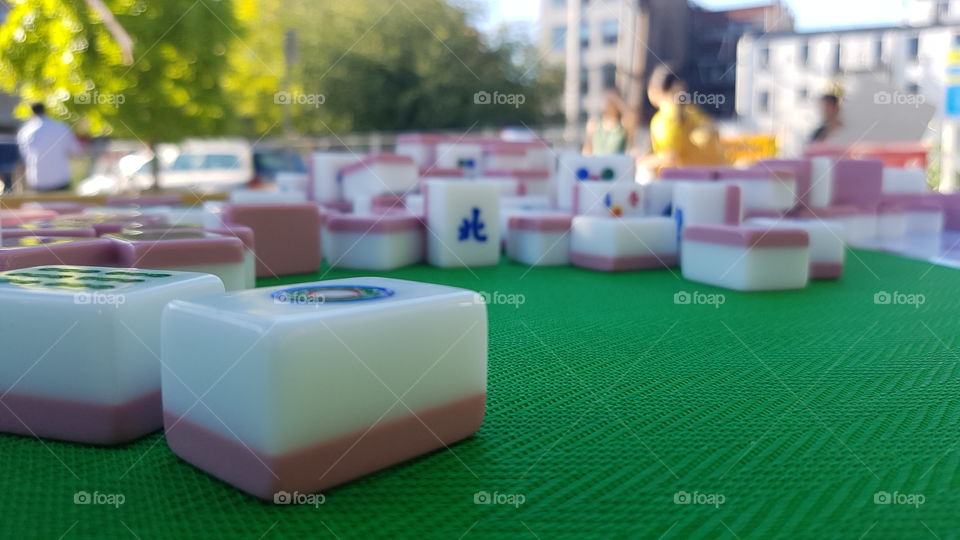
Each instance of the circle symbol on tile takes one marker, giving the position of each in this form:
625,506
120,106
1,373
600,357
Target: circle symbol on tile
330,293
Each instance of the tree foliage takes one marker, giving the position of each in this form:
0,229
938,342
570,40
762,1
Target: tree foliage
61,53
415,64
214,67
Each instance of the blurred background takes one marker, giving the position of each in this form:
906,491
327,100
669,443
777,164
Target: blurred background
233,92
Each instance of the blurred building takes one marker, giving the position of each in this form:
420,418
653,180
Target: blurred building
781,75
618,43
713,53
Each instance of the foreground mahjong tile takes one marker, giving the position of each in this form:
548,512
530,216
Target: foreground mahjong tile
26,251
81,349
746,258
539,238
311,386
619,244
186,250
463,218
381,242
827,250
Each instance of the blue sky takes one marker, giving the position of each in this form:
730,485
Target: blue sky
810,14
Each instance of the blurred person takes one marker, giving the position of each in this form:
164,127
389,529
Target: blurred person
831,118
46,146
9,158
681,135
611,135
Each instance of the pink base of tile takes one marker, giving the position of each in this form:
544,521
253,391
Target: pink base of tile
824,270
76,421
623,264
329,463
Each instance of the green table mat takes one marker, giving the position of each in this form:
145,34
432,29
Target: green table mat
611,401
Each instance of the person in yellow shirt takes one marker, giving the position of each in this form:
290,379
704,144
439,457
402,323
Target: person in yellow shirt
681,135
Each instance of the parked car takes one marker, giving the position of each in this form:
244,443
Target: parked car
200,165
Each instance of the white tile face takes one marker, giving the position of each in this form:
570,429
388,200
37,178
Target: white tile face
377,178
455,155
374,251
260,196
743,269
904,180
463,218
892,226
611,199
303,364
626,237
422,154
821,180
539,248
774,194
573,168
700,203
925,222
85,333
826,238
658,199
326,167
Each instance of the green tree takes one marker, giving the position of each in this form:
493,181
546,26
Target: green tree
375,65
62,53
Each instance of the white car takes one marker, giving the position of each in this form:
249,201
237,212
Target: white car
203,166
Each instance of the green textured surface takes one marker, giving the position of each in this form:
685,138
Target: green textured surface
605,399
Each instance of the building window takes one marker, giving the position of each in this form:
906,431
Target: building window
837,55
763,101
610,29
609,76
765,57
803,94
558,38
805,53
913,48
584,82
878,50
913,88
584,34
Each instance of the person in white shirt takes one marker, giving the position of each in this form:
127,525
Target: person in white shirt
46,147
